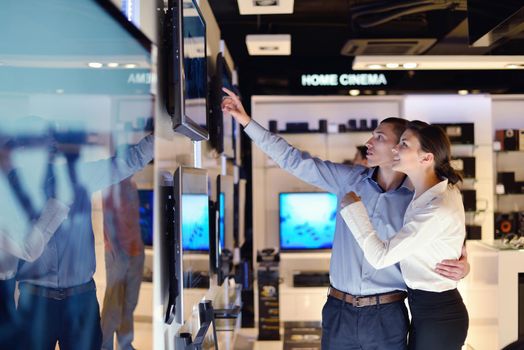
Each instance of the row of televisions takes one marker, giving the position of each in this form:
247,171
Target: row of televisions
192,223
192,96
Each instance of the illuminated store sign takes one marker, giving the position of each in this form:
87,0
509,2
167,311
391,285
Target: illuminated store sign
362,79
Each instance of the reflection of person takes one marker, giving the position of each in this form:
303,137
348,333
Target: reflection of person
433,230
14,244
351,317
124,254
57,292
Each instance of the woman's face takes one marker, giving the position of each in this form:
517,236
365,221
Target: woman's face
407,155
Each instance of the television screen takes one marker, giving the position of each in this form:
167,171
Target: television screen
146,216
185,57
307,220
195,222
221,218
222,126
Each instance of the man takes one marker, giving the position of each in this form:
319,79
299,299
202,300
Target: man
124,253
365,308
57,293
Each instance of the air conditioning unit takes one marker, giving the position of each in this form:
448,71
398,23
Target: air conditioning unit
354,47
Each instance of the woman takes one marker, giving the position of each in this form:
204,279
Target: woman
434,229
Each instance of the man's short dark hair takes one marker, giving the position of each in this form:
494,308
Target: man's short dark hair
399,125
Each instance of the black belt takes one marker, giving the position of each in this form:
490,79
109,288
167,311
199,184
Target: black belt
57,293
367,300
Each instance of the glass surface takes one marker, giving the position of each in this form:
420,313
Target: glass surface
74,101
307,220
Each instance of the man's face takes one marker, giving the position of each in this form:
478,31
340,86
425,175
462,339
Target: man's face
380,146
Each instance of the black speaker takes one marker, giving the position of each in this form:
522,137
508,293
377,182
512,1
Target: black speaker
342,128
273,126
459,133
473,232
465,166
505,224
374,124
507,179
322,125
297,127
363,124
469,197
352,123
508,138
520,223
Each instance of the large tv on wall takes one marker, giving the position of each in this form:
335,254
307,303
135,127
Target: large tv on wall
146,216
307,220
185,60
223,128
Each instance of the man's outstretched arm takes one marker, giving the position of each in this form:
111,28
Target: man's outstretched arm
454,269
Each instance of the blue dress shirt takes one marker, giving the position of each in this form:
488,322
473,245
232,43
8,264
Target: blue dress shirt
69,258
349,270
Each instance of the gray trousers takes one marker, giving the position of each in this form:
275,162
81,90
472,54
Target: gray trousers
124,276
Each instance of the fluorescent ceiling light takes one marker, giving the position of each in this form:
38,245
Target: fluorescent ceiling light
265,7
95,64
354,92
392,65
433,62
269,45
375,66
463,92
130,65
112,64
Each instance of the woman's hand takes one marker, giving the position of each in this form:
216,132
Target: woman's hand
349,198
231,104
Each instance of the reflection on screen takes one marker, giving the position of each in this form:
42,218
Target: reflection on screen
195,222
307,220
222,228
195,61
146,216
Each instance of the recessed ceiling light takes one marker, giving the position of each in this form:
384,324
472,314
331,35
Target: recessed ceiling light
268,44
463,92
354,92
265,2
130,65
410,65
514,66
381,92
113,64
392,65
95,64
375,66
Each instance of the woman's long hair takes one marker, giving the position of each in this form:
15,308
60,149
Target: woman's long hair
434,140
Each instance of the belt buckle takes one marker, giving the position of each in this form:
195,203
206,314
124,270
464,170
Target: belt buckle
59,294
356,301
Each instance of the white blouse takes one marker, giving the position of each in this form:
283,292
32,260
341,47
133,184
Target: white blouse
29,246
434,229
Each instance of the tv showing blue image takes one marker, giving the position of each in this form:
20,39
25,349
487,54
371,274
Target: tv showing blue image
146,216
307,220
195,222
221,219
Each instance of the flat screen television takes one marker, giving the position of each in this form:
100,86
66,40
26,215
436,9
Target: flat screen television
223,128
146,216
307,220
185,62
225,195
192,225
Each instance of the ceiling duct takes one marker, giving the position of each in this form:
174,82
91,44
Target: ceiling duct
414,46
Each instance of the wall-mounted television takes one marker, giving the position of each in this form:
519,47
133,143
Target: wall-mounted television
185,64
146,216
223,128
307,220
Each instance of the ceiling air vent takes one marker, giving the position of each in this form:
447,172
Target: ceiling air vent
355,47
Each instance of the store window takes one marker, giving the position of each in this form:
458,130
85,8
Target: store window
75,114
